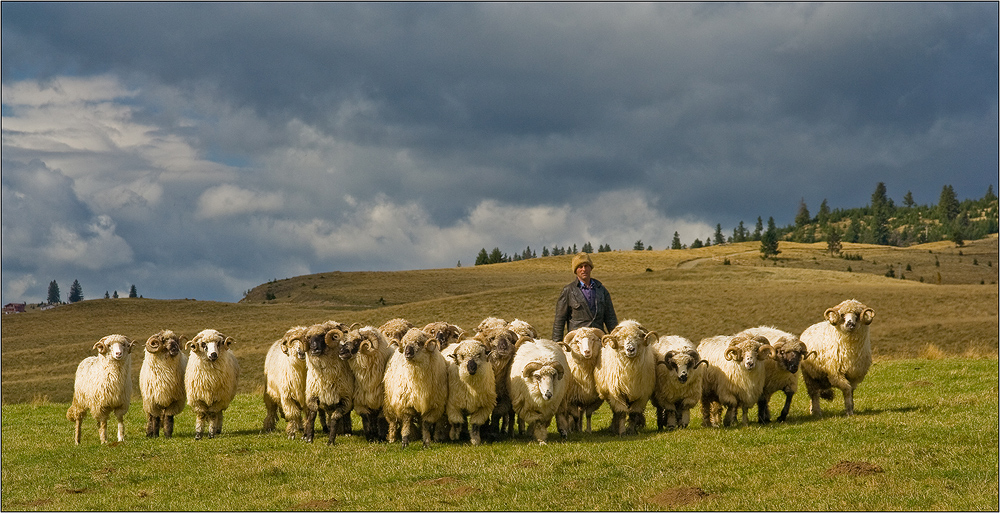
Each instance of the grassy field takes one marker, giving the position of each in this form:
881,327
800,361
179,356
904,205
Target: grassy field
924,438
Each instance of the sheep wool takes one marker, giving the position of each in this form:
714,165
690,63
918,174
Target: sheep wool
780,372
538,384
103,385
471,389
679,370
626,375
733,378
416,386
367,352
161,382
285,381
329,380
583,350
210,379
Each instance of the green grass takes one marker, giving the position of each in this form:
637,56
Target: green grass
930,425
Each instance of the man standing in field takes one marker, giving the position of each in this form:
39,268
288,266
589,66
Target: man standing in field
584,302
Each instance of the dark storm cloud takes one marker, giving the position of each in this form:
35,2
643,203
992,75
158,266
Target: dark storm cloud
304,117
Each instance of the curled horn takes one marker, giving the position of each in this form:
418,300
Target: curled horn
666,357
228,341
521,340
646,341
765,351
368,339
565,343
868,316
810,353
101,346
354,325
530,369
699,363
150,346
833,315
610,338
284,344
733,354
560,371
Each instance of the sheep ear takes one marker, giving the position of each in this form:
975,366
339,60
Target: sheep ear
101,345
189,345
733,354
560,370
868,316
530,369
229,341
833,316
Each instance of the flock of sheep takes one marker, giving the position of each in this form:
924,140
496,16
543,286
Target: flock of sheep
441,383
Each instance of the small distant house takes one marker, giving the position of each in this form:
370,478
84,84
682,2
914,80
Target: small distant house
12,308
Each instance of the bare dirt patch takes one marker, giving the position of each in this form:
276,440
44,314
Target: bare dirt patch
676,497
853,468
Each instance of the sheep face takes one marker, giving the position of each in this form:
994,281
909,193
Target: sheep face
469,356
319,339
167,341
789,354
629,338
444,333
209,344
748,350
543,378
414,342
848,315
682,363
114,346
364,340
585,342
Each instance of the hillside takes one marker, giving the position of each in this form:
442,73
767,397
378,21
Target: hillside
692,293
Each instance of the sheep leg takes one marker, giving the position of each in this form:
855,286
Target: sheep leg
427,430
336,423
848,400
215,426
540,431
670,419
121,427
786,407
346,425
168,426
199,425
706,412
76,430
271,406
102,427
152,425
685,414
474,433
308,430
405,430
730,415
763,411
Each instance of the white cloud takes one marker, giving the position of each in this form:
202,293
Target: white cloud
95,247
230,200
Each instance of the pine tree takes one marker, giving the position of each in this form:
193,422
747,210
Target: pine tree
132,292
496,256
75,292
696,244
759,229
115,295
587,248
107,295
545,251
483,257
638,246
676,243
769,241
719,238
833,244
908,200
823,216
802,218
948,205
54,296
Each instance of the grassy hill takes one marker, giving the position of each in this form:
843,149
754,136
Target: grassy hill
694,293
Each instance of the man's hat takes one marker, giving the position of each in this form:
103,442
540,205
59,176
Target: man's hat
580,259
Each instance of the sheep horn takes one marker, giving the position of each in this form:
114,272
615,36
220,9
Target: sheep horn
733,354
530,369
765,349
521,340
568,338
833,316
669,355
284,345
560,371
610,338
353,325
228,341
150,343
868,316
333,337
701,362
101,346
645,340
814,354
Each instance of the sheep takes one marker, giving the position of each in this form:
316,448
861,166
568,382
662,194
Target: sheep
678,381
583,350
843,354
446,334
626,375
394,329
471,388
285,378
367,352
210,379
780,371
416,386
161,382
733,378
501,346
329,380
103,385
537,384
522,328
491,326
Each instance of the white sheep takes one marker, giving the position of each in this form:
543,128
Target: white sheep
733,378
416,387
537,384
843,354
394,329
367,352
501,346
161,382
285,381
679,370
445,333
626,375
522,328
471,388
210,379
780,372
583,350
103,385
329,380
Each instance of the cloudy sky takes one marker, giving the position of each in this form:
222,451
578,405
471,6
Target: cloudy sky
198,150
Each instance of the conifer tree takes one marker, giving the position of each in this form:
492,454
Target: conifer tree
587,248
75,292
132,292
769,241
719,237
823,216
54,296
948,205
676,243
759,229
638,246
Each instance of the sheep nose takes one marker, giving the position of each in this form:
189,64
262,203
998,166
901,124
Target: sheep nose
547,394
682,378
586,354
213,356
473,367
749,365
409,352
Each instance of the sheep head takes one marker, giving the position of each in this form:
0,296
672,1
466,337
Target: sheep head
394,329
165,340
543,376
585,342
469,356
115,346
748,349
849,314
523,328
444,333
365,340
209,344
292,343
500,349
414,342
682,363
490,326
629,337
789,353
320,338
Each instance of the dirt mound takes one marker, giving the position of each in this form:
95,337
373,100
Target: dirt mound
676,497
854,468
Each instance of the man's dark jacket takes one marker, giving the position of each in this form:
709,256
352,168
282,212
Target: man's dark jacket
572,308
